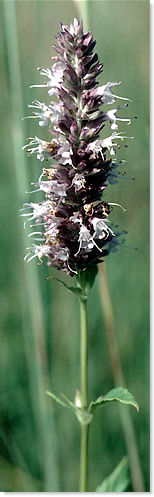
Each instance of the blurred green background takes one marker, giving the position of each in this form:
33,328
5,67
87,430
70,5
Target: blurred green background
39,319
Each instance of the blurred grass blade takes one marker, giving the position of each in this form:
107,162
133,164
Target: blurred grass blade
85,14
127,423
17,479
82,7
118,480
33,323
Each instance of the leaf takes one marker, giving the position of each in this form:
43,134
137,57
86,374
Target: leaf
86,278
59,401
69,402
117,394
123,396
118,480
72,289
83,415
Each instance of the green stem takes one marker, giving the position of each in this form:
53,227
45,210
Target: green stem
84,394
84,353
84,459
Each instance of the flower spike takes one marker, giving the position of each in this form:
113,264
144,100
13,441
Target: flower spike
73,215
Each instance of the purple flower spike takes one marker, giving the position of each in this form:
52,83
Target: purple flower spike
74,228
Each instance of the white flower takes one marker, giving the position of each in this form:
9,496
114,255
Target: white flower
101,230
52,232
65,152
59,189
52,187
39,210
111,114
54,75
79,181
76,218
106,93
37,251
108,143
62,255
44,115
47,113
42,145
86,241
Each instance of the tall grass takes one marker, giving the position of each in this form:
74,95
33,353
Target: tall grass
28,281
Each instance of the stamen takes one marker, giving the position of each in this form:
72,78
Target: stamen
118,205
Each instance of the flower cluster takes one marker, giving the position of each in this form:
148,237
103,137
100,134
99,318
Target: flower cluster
71,223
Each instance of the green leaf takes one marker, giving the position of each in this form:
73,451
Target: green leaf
117,394
117,481
86,278
83,415
69,402
72,289
54,397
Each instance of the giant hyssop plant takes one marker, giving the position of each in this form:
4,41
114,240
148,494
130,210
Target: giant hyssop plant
71,226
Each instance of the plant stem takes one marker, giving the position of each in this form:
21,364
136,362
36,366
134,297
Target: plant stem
84,394
126,419
84,353
82,7
84,459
